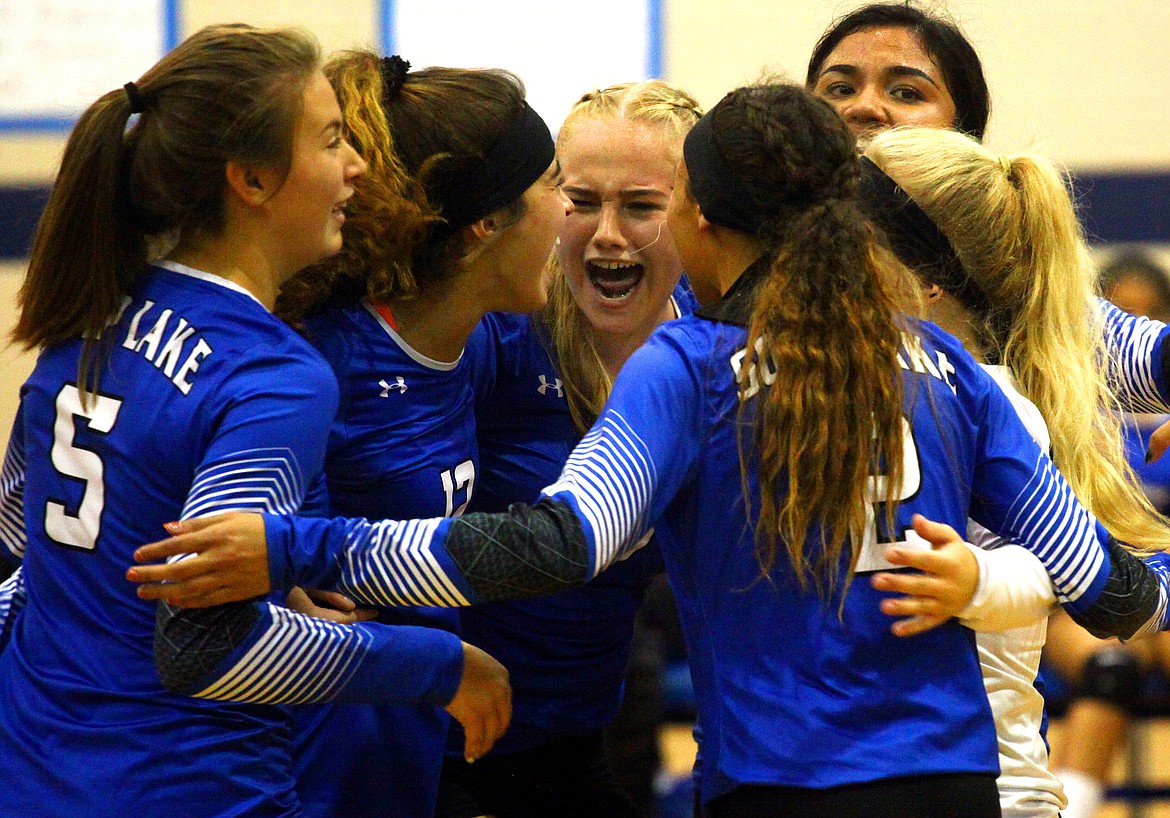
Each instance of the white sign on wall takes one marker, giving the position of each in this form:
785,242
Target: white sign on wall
559,50
58,56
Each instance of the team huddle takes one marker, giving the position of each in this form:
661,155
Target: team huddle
426,399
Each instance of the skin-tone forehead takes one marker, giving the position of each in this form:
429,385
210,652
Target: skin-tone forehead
320,115
642,149
888,47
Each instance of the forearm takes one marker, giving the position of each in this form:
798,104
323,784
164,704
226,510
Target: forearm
262,653
1137,364
524,552
1134,600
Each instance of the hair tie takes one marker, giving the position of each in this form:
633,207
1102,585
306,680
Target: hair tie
394,70
134,98
1006,164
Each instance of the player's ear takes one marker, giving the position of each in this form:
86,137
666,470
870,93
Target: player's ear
253,184
478,235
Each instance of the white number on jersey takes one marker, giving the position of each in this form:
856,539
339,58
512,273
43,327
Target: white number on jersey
873,553
461,478
81,529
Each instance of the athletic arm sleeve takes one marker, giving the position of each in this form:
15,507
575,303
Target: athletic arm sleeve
1014,590
255,651
1137,365
617,481
1018,494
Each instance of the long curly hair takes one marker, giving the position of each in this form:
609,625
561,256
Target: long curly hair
433,121
823,340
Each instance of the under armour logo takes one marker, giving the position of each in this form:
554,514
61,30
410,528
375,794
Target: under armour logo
545,386
400,385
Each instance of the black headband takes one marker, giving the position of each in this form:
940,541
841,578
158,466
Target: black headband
519,158
721,196
916,239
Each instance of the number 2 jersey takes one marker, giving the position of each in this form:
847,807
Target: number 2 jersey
206,403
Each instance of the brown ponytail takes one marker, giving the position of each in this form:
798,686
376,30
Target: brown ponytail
228,92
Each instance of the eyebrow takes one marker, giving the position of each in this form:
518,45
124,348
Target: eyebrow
632,193
895,70
643,191
555,170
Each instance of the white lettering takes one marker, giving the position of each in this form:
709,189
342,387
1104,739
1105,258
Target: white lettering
191,366
947,369
152,338
131,339
174,347
762,368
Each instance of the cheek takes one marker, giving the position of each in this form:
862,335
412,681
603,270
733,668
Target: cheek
574,236
938,114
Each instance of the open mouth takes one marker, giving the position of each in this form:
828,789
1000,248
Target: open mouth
614,280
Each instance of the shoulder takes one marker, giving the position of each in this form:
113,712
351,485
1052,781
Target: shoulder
1029,413
684,296
677,350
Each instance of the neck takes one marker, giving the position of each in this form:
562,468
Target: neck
956,319
736,252
615,350
438,322
241,263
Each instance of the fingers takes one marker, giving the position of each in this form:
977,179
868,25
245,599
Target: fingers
920,614
187,537
159,551
930,561
475,741
483,702
936,533
491,722
1159,441
911,606
948,579
916,625
910,584
497,716
332,599
196,594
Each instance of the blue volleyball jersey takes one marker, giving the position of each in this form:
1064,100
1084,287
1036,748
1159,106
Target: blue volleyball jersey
566,654
402,445
206,404
787,693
